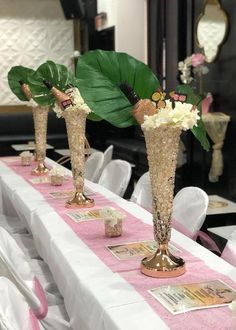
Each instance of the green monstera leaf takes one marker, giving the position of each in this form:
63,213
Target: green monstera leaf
57,74
16,74
99,75
198,131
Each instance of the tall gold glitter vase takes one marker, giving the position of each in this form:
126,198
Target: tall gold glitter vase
40,117
75,125
162,149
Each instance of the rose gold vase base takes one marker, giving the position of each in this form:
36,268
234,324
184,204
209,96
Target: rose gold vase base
80,201
41,169
163,265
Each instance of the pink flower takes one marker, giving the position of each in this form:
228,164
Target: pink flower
197,59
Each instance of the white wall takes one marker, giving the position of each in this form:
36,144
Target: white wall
32,31
130,20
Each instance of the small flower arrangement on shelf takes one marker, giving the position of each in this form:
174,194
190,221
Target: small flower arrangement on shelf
193,68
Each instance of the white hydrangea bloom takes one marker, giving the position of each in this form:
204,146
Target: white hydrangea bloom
77,100
57,171
183,115
111,214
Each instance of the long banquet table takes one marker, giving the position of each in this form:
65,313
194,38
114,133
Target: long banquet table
99,293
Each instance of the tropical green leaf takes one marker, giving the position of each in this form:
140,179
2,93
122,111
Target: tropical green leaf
92,116
57,74
99,74
16,74
199,131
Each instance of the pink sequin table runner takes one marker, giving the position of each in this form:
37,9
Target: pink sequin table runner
92,234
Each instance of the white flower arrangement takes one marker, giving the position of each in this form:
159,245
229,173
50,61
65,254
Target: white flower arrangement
183,115
111,215
57,171
77,100
26,154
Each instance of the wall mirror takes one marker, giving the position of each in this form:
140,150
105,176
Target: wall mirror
211,29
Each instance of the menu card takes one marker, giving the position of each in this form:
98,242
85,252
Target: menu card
135,250
78,216
63,194
40,179
182,298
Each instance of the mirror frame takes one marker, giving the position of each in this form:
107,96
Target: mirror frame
202,14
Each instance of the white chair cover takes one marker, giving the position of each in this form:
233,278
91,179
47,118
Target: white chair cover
15,313
229,252
93,166
12,224
189,210
142,194
14,265
116,176
108,153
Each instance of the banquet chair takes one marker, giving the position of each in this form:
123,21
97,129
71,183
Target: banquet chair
93,166
12,224
229,252
142,194
189,210
14,265
15,313
15,227
108,153
116,176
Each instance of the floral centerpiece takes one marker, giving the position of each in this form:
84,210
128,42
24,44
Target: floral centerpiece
19,84
124,87
162,131
51,84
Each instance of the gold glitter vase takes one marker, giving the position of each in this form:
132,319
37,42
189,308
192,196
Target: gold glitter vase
75,125
40,117
162,149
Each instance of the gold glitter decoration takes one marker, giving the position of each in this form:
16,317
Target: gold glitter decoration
75,125
162,148
40,116
113,230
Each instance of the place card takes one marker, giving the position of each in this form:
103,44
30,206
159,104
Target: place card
63,194
182,298
78,216
40,180
135,250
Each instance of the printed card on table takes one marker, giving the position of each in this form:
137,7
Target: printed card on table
183,298
79,216
135,250
40,179
63,194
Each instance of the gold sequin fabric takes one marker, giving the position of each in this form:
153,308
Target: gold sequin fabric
40,117
75,125
162,149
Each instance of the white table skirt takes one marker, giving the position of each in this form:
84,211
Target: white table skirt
95,297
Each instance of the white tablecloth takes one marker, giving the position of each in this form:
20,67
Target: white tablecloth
95,297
